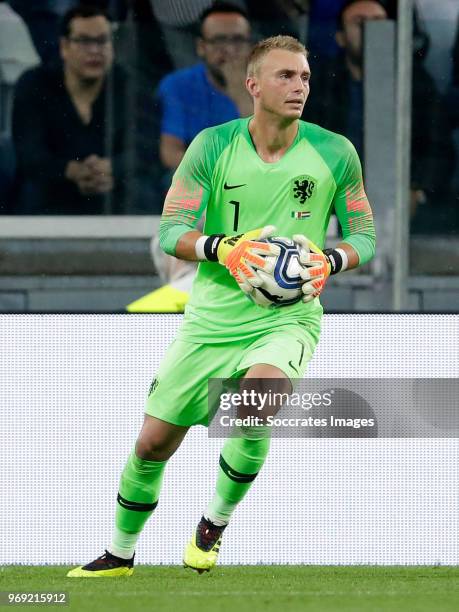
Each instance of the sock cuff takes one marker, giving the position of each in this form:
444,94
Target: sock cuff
234,474
146,464
128,504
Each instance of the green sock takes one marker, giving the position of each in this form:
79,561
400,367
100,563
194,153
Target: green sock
138,495
240,461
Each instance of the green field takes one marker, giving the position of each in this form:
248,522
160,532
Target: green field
247,588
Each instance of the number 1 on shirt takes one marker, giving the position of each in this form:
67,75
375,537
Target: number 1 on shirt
236,213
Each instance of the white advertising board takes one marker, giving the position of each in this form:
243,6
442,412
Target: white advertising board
72,395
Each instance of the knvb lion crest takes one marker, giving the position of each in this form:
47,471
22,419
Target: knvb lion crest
303,187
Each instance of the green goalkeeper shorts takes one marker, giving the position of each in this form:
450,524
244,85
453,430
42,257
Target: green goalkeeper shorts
179,392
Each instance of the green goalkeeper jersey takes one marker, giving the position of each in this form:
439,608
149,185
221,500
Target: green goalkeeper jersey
223,177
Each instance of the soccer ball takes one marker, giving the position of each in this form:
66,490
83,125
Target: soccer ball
283,285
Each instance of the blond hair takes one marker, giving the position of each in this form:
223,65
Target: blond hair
263,47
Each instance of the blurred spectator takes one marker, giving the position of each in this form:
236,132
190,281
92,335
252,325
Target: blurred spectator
43,17
336,103
67,130
210,92
180,21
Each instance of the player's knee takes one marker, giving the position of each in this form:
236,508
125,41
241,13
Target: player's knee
154,448
264,378
265,396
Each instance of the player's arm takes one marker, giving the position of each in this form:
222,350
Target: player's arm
187,199
242,255
356,219
354,214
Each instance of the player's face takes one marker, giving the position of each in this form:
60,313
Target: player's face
281,85
225,39
351,38
88,50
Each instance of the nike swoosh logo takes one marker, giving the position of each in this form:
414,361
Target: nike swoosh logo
226,186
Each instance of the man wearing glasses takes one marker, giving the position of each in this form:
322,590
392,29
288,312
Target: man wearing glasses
211,92
68,146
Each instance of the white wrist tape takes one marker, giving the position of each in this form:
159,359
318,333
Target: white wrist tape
345,259
199,248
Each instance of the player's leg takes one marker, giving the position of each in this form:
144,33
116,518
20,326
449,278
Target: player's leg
138,495
169,414
141,481
177,399
278,357
242,457
241,460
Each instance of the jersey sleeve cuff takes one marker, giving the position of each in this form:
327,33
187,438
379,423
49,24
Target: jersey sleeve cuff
170,235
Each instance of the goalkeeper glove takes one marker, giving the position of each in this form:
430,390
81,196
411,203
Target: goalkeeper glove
318,266
243,255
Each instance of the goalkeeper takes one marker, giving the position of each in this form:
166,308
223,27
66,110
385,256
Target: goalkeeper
248,175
